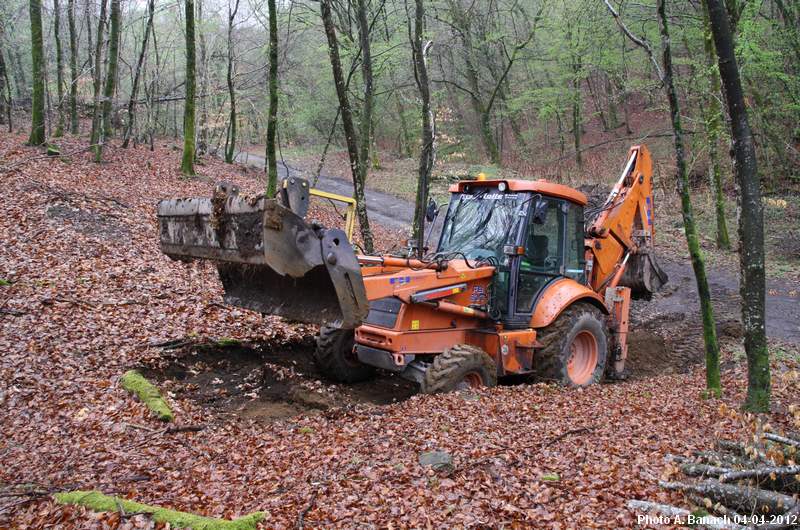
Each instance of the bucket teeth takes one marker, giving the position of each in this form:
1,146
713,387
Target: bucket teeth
643,275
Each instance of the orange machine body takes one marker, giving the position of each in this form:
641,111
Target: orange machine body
419,308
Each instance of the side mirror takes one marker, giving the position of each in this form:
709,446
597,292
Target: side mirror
431,211
539,215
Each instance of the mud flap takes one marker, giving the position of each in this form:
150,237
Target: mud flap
269,259
643,275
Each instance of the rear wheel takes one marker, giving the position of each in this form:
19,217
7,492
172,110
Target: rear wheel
335,358
458,368
575,347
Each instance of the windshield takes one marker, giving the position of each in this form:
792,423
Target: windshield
479,224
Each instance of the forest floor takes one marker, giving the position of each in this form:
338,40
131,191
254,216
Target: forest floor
86,295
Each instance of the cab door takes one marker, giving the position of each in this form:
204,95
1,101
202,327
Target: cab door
553,248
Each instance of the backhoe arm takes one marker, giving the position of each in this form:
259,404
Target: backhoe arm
621,238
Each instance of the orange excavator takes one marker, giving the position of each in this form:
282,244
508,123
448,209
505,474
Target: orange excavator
519,282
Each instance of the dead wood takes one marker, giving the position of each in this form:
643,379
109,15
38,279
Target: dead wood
745,499
760,474
781,439
692,469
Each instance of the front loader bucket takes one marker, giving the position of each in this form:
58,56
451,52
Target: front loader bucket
643,275
269,259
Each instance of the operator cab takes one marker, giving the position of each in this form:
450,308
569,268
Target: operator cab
532,232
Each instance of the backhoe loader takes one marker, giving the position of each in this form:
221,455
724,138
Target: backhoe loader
517,284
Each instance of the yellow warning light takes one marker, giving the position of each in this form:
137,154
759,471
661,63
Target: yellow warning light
481,176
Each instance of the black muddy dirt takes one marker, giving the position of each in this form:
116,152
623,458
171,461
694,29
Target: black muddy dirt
265,382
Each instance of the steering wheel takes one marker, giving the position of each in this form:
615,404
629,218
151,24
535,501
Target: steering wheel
551,262
480,253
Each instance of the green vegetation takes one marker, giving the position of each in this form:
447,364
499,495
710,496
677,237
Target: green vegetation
134,382
99,502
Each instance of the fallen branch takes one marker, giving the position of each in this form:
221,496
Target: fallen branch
564,435
746,499
100,502
731,447
761,473
782,439
54,299
134,382
301,516
703,470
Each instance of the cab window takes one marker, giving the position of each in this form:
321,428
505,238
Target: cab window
544,252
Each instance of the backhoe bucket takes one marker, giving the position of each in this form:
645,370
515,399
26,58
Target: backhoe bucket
269,259
643,275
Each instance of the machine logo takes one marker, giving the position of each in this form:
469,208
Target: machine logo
478,295
402,280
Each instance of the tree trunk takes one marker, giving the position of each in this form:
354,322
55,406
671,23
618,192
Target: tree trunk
427,155
751,219
111,79
20,82
59,69
37,136
5,91
272,120
137,75
368,106
202,143
187,164
94,139
713,384
347,123
713,125
230,139
74,125
577,122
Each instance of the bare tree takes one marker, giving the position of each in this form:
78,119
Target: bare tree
230,140
129,127
272,120
37,136
357,164
187,163
59,69
73,69
427,157
752,284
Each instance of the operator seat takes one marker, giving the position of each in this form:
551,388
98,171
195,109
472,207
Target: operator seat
539,252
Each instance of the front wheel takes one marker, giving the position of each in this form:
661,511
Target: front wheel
575,347
458,368
335,358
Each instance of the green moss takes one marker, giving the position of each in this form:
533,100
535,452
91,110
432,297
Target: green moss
225,342
134,382
99,502
4,282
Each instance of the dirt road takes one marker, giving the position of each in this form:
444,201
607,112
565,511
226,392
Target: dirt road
383,208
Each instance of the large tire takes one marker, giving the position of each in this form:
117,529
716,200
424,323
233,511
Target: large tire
460,367
574,347
335,358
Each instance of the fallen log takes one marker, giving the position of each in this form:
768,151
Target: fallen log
100,502
761,473
134,382
693,469
715,458
746,499
782,439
